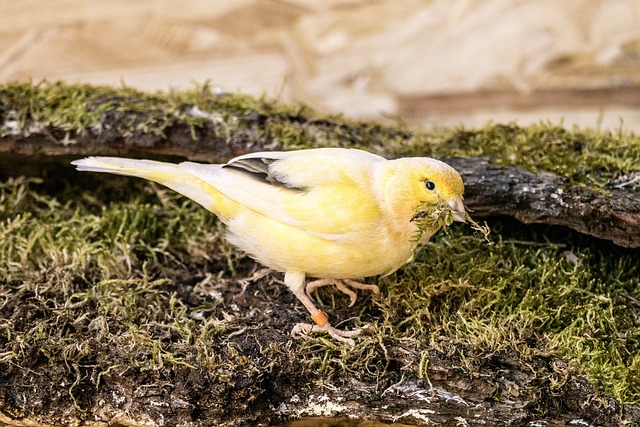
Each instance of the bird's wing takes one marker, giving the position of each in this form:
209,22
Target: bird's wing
326,192
309,168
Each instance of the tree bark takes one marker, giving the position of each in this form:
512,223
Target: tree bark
531,197
548,198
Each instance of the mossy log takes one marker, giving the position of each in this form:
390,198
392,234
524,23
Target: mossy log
540,328
548,198
138,125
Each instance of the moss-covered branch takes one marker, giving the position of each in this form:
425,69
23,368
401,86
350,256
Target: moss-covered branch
542,174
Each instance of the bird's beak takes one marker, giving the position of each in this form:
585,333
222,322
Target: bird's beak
458,212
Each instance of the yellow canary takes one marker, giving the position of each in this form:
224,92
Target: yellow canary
334,214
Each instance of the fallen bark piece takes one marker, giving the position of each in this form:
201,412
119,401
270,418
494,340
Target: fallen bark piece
547,198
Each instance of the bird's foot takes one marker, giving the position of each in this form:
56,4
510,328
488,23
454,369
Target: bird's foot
343,286
295,282
335,333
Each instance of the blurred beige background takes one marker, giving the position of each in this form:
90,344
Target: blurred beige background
427,62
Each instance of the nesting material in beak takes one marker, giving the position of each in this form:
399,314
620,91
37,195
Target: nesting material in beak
434,217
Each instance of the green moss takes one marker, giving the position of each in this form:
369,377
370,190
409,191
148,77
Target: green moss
528,298
585,157
100,286
524,295
89,280
79,109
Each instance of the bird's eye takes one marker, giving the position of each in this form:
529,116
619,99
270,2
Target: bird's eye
430,185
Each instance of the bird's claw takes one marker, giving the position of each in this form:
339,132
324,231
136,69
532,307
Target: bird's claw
335,333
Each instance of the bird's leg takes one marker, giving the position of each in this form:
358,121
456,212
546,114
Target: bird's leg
342,287
296,282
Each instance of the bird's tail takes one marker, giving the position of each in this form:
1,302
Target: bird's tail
171,175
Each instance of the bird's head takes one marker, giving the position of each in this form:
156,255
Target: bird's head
422,193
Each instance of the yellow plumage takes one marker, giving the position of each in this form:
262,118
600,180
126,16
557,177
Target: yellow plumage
328,213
